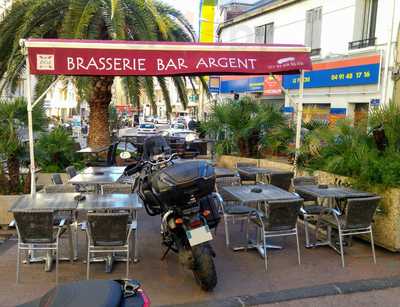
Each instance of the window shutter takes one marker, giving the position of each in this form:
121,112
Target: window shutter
260,35
269,33
316,32
309,28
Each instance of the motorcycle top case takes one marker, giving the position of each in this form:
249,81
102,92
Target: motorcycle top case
183,182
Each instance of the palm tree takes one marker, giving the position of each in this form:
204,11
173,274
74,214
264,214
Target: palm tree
139,20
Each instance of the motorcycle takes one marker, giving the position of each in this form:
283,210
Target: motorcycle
94,293
181,192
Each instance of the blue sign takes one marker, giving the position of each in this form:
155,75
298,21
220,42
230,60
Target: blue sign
345,76
245,85
375,102
214,84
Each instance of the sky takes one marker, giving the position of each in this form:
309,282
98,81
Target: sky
190,8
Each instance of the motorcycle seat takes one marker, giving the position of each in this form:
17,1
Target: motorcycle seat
93,293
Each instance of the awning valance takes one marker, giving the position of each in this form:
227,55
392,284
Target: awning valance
129,58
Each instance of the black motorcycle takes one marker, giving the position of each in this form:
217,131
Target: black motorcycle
181,192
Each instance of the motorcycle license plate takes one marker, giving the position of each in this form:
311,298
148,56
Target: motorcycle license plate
199,235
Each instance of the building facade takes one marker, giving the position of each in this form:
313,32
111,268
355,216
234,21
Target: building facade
352,43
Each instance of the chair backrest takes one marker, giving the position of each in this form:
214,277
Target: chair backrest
359,212
56,178
305,180
60,188
108,229
35,226
282,215
226,182
71,171
111,154
281,180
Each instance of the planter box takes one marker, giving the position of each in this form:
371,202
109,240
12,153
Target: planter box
6,201
386,227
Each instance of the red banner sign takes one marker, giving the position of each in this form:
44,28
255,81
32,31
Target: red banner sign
272,86
127,58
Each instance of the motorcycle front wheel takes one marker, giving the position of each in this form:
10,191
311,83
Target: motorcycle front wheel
203,267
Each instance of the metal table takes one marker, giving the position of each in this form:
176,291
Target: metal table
269,193
254,170
95,170
44,201
331,192
108,202
96,180
93,150
224,172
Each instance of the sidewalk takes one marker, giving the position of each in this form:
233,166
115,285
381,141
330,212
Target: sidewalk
239,274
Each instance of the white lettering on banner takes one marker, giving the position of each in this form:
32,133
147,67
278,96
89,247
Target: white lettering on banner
226,63
117,64
45,62
171,64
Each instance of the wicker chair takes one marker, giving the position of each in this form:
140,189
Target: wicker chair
231,209
56,179
35,231
357,219
244,177
279,218
311,209
108,233
281,180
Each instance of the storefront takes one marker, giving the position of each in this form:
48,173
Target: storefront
337,89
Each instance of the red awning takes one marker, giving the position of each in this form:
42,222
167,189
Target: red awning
129,58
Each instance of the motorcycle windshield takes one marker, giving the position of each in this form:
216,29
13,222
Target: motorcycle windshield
155,145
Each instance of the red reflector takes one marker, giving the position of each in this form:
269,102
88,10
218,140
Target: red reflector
178,221
206,212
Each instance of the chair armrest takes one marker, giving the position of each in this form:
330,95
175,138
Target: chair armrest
332,211
12,224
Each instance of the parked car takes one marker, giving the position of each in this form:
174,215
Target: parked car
160,120
147,129
179,130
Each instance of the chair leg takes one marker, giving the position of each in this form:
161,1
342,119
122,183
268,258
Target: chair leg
18,263
71,245
306,230
298,246
247,234
127,262
57,256
265,252
373,247
88,265
226,231
341,246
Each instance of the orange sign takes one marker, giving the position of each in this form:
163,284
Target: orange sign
272,86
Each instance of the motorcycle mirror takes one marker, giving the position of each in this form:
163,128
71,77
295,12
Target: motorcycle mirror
125,155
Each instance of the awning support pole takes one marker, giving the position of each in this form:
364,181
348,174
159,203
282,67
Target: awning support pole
299,120
30,128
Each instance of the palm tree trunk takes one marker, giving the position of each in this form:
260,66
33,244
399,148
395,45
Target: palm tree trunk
13,173
99,132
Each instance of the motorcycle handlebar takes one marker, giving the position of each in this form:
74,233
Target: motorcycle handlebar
171,157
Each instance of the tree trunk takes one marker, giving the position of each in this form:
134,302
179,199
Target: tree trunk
13,174
99,131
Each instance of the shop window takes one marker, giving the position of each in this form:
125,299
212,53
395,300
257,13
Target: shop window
318,112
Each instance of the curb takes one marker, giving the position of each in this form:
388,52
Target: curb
301,293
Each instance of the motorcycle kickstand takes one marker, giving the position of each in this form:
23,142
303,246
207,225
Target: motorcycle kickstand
165,254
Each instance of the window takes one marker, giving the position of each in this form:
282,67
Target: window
313,30
365,24
265,34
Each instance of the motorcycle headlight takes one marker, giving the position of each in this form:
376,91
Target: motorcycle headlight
190,137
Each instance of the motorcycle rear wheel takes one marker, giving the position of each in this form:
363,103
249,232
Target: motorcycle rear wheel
203,267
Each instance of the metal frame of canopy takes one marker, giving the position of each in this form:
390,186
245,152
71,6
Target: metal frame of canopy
128,58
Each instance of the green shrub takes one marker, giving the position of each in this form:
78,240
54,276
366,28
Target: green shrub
56,150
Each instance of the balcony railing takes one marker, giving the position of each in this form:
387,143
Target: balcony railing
364,43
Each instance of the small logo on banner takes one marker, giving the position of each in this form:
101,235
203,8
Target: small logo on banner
286,60
45,62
